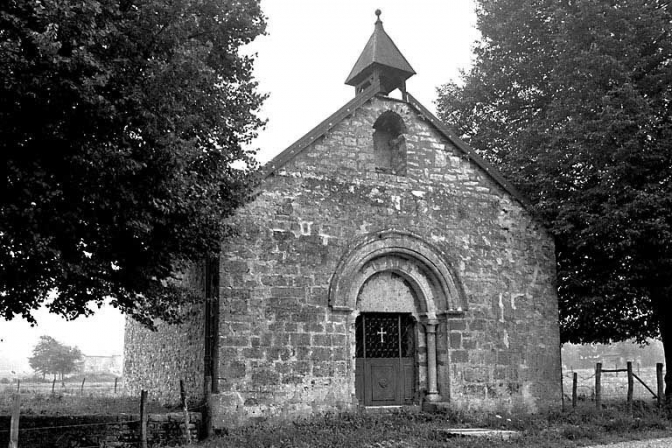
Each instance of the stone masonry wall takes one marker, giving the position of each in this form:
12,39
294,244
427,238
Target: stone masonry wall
284,352
156,361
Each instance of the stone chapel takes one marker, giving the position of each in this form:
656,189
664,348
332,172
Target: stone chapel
381,263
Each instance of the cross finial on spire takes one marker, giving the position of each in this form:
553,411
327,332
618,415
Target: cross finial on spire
378,13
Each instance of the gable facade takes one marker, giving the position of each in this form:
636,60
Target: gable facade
381,263
338,234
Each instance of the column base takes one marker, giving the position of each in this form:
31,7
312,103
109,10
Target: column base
433,396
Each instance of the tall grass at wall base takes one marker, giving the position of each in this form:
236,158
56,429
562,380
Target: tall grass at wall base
554,429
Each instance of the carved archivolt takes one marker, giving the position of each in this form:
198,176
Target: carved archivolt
420,263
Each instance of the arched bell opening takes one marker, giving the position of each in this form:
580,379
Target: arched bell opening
389,144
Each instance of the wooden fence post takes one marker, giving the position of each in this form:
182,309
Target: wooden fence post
631,385
598,385
14,423
53,386
18,385
185,409
143,419
81,390
575,380
661,384
116,379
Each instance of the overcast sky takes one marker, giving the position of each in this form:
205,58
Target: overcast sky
311,47
302,64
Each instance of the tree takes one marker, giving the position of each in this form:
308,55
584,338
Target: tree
571,100
122,125
51,357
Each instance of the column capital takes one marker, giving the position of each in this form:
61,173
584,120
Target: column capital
426,318
430,325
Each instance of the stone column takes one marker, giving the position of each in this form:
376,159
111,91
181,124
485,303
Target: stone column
432,388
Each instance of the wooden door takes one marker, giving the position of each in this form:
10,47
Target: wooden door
385,363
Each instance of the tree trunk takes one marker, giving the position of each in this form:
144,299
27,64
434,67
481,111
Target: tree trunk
666,336
663,308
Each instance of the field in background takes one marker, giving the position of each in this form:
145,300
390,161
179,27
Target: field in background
614,385
69,398
67,387
99,392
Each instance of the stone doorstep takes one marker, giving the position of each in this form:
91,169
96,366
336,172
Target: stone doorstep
481,432
394,408
487,433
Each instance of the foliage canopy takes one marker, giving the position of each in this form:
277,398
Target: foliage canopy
122,125
571,100
51,357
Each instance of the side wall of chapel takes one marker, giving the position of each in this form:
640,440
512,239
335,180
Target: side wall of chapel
156,361
285,352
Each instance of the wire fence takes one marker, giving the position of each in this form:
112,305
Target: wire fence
114,426
614,384
71,435
68,386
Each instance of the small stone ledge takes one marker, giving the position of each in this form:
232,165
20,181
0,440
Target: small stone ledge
486,433
452,313
386,409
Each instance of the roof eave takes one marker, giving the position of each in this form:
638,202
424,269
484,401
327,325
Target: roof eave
470,152
293,150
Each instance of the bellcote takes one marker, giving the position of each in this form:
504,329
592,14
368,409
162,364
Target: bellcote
380,61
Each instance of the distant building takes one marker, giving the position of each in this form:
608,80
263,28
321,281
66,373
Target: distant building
101,364
6,369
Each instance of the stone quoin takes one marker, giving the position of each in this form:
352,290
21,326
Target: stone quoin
382,262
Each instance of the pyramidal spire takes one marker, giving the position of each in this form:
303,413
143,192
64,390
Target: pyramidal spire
380,61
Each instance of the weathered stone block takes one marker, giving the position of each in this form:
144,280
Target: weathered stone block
459,356
235,341
321,354
299,339
265,377
455,340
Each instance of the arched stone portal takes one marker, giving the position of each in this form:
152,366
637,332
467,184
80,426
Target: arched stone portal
396,275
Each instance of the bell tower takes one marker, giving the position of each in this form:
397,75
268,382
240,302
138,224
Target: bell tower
380,61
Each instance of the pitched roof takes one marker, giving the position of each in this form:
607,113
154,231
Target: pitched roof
379,51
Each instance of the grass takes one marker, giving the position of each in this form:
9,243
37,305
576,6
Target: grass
96,399
554,429
60,404
580,427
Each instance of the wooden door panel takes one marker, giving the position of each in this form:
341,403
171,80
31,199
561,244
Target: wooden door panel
382,379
